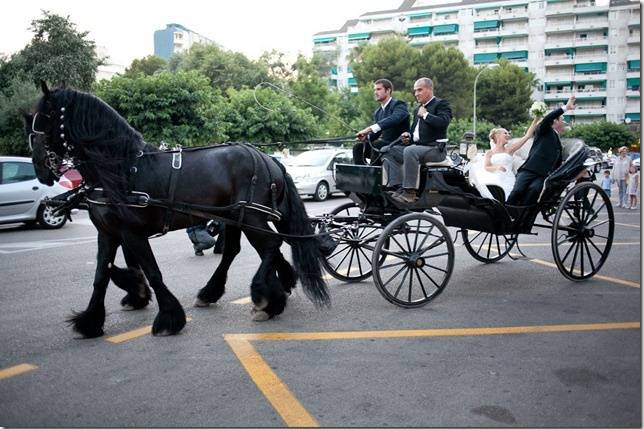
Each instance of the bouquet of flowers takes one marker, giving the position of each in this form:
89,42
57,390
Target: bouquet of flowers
538,109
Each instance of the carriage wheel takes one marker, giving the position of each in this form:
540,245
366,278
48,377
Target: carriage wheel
486,247
582,231
413,260
351,259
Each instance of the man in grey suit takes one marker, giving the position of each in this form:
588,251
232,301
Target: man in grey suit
402,162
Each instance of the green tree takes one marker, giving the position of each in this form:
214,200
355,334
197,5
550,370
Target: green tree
452,74
267,116
604,135
18,96
391,58
58,53
460,126
504,94
178,108
146,66
225,69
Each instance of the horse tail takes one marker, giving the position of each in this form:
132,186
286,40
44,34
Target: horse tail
306,251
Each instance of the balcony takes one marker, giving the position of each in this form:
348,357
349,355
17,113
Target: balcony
584,8
558,60
486,49
633,39
487,33
587,111
559,27
445,37
580,77
513,31
560,9
595,24
590,93
631,93
517,13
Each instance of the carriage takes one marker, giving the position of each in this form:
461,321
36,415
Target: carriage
410,252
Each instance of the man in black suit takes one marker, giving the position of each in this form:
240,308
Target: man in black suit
402,162
543,158
391,119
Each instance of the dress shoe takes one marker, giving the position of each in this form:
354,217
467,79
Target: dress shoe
407,196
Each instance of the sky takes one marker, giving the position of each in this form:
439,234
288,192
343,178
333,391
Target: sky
126,28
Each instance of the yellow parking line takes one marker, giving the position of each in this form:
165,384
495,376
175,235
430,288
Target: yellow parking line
277,393
16,370
596,276
439,332
135,333
292,411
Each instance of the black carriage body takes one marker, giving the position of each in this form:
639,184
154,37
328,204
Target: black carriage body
444,188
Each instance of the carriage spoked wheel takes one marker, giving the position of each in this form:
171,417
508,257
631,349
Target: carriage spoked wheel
582,231
413,260
351,259
485,246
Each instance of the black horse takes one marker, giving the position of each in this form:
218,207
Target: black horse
134,191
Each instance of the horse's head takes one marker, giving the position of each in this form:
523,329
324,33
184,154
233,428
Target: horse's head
51,150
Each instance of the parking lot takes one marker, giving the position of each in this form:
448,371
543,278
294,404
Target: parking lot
507,344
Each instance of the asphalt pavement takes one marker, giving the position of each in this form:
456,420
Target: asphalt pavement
507,344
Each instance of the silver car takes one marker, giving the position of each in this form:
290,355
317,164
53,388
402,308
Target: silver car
313,171
21,194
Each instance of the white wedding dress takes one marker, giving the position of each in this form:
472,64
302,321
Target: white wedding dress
480,177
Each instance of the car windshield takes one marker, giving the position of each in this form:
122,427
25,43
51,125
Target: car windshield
313,158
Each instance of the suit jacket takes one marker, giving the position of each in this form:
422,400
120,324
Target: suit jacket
393,121
545,153
434,126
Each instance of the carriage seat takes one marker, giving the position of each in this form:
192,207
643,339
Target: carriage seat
447,162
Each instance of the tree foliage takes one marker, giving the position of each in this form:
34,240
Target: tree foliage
604,135
16,97
224,69
452,74
178,108
146,66
272,118
504,94
391,58
58,53
458,127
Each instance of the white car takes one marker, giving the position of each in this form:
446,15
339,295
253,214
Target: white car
21,194
313,171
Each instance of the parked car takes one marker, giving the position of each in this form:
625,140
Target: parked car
596,158
636,163
313,171
21,194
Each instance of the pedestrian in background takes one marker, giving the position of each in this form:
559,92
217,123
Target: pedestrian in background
607,182
633,187
621,165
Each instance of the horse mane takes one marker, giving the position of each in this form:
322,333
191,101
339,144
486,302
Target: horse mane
107,143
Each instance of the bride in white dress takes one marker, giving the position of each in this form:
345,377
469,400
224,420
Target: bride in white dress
497,164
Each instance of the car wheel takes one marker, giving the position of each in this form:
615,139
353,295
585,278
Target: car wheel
47,220
321,192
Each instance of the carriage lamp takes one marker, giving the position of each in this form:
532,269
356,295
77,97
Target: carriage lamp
464,147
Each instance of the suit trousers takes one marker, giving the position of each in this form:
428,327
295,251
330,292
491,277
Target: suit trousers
527,188
402,163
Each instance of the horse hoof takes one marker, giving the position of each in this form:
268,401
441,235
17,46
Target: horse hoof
199,303
127,307
260,316
163,333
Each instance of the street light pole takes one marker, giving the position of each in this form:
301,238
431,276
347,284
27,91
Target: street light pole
476,79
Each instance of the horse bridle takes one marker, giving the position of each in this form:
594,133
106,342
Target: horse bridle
53,161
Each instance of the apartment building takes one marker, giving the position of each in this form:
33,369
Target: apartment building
585,47
176,38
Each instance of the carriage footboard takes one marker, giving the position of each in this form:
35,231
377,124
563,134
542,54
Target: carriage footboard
474,213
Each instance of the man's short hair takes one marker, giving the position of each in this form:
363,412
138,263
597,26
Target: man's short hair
426,81
386,83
